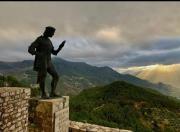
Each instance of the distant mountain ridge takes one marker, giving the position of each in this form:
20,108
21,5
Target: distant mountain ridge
75,76
11,66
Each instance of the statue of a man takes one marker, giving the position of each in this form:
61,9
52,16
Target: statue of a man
42,48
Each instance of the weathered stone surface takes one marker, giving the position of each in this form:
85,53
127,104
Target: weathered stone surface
50,115
62,120
14,109
86,127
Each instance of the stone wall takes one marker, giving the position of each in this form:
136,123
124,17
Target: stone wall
14,109
49,115
86,127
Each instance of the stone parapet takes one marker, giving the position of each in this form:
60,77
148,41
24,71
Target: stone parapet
14,109
86,127
49,115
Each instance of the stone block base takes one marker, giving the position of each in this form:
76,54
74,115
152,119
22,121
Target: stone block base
49,115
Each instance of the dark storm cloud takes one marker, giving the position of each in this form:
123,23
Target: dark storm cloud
162,44
160,51
144,60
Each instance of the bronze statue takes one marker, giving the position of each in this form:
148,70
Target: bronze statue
42,48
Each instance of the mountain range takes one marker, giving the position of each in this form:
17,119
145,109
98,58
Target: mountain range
76,76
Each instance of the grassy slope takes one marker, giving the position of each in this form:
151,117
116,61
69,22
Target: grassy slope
127,106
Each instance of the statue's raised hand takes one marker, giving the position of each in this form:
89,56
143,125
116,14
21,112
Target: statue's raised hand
62,44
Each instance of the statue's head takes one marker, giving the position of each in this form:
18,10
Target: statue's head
49,31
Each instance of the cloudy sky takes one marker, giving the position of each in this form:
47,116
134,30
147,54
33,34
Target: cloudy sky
115,34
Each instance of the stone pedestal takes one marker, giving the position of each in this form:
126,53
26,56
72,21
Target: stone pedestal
50,115
14,109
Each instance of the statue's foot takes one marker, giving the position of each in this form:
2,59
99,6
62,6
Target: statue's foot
54,95
44,96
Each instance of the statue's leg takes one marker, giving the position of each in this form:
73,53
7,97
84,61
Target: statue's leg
51,70
41,81
38,78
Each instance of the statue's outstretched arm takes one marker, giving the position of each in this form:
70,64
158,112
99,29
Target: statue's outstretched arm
55,52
